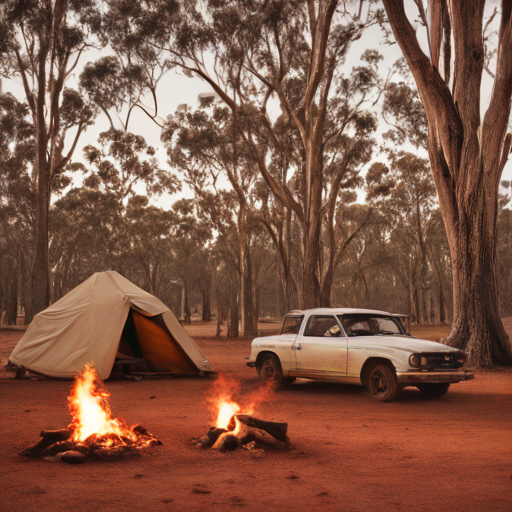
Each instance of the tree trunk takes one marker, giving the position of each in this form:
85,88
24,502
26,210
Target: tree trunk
244,257
11,306
288,293
409,301
26,283
233,315
417,297
477,327
256,310
442,310
185,304
206,293
467,156
312,224
40,293
325,299
248,299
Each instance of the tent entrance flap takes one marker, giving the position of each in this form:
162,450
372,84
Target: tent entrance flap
129,343
158,346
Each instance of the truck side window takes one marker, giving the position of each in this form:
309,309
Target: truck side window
323,326
292,324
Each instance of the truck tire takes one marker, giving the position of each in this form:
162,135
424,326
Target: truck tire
382,383
269,369
434,389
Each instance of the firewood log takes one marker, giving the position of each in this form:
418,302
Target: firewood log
212,436
56,435
60,447
248,435
48,438
275,429
228,443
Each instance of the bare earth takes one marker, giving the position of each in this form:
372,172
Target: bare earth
349,452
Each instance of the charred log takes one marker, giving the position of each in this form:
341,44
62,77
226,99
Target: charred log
275,429
56,448
229,443
47,439
212,436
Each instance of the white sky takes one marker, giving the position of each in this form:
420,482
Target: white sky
175,89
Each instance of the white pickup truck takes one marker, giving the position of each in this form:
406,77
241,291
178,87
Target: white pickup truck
357,346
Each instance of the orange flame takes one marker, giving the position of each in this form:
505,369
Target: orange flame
90,411
226,412
225,401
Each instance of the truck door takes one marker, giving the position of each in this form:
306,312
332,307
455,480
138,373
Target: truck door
321,350
287,338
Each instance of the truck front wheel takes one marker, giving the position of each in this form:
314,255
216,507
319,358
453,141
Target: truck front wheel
269,369
382,383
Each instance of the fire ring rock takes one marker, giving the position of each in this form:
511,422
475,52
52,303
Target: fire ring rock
73,457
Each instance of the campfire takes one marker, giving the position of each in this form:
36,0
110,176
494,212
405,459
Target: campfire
234,423
93,432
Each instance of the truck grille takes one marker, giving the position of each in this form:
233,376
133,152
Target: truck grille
442,360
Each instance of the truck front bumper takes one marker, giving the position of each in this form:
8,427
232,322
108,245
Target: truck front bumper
252,364
416,377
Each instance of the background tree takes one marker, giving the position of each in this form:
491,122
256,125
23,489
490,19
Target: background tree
207,149
290,50
405,194
42,43
17,203
504,248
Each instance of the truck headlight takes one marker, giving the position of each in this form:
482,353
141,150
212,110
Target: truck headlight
461,357
415,360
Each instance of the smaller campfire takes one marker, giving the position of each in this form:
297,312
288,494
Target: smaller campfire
234,423
93,432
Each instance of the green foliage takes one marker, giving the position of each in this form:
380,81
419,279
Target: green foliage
407,115
125,160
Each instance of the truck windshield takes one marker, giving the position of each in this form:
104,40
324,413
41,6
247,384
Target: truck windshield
371,325
291,324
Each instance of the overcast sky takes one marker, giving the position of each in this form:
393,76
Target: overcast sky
175,89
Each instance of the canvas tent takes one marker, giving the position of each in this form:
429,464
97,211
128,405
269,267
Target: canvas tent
104,317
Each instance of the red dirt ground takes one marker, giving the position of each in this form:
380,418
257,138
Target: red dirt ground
349,452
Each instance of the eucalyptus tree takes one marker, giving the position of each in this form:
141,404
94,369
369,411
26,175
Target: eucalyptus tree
284,232
107,222
406,194
467,153
88,234
189,247
219,210
42,43
504,227
206,148
290,51
17,204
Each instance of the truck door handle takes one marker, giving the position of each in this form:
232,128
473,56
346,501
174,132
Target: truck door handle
299,347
